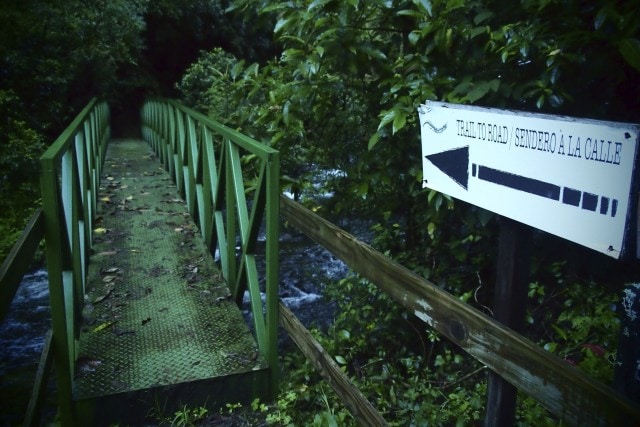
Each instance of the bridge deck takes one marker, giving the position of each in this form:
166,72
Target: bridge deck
157,313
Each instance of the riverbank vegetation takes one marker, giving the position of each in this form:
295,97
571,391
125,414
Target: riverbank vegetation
342,95
335,86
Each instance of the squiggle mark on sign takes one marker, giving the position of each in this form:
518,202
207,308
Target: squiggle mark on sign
435,129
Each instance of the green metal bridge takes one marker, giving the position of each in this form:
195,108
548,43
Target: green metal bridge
141,313
151,246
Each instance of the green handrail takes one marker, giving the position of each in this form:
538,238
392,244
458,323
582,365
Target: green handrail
205,160
69,180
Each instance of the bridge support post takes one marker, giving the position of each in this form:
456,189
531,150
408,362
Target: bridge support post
512,282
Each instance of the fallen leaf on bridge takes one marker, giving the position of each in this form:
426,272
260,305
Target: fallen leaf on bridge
102,297
103,326
87,365
107,253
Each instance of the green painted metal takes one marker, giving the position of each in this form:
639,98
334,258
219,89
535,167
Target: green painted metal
205,159
70,171
158,318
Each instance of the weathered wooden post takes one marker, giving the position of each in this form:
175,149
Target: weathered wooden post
568,177
510,298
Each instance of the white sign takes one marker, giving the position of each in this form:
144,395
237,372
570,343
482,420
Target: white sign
569,177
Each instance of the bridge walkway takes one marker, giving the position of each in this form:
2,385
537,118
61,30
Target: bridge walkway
159,325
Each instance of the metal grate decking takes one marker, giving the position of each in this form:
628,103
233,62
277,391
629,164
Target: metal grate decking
157,312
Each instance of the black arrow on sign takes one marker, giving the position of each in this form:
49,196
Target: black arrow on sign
455,163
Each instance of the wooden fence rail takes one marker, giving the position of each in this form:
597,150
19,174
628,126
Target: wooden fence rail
364,413
564,390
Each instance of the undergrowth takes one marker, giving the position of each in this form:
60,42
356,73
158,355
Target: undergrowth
415,377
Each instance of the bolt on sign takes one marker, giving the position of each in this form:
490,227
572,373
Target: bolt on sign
569,177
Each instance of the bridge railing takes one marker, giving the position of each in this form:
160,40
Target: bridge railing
230,183
562,389
69,181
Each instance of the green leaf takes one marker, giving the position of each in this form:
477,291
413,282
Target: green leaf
363,189
478,92
374,53
561,333
341,360
399,121
482,16
373,141
414,37
426,5
236,69
408,12
282,23
630,50
294,54
431,229
438,202
317,3
387,117
252,70
285,113
344,334
475,32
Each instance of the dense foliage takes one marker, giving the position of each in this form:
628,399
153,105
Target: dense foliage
335,85
57,55
341,100
54,57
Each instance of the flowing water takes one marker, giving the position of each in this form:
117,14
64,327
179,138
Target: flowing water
21,340
305,268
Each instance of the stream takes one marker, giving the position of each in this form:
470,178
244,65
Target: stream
21,340
305,268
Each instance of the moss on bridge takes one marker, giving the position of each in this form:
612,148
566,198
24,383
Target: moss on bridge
159,323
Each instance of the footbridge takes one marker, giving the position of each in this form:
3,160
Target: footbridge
153,244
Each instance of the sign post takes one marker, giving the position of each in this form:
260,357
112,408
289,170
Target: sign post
510,298
571,178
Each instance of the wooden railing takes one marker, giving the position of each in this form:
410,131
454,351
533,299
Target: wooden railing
564,390
206,160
